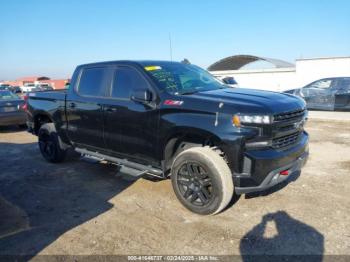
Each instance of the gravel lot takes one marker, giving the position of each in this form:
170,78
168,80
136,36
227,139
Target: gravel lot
84,207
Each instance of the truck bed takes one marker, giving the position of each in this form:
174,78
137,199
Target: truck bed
51,104
48,95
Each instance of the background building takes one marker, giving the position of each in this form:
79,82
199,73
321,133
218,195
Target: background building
281,75
55,83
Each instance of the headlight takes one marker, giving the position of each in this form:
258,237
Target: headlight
251,119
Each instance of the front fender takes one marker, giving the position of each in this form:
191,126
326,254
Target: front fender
213,127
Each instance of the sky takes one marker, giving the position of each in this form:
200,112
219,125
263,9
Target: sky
50,38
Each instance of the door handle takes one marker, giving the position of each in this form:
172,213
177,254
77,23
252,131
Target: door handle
111,109
72,105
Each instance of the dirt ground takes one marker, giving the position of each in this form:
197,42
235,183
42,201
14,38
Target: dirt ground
84,207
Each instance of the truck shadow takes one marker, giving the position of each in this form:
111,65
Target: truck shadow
40,201
288,240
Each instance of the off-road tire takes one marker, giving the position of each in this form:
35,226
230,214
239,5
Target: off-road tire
209,164
49,144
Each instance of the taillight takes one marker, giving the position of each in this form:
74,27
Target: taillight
25,104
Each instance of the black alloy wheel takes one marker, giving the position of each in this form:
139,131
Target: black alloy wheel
194,184
49,144
46,145
202,180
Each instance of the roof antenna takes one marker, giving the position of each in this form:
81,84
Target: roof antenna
170,48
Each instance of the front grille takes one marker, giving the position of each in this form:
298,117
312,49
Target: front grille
289,115
286,141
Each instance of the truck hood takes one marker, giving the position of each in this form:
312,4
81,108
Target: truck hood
253,101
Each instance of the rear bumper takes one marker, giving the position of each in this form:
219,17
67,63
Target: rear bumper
13,118
261,169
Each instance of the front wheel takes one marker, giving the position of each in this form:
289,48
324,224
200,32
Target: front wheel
202,180
49,144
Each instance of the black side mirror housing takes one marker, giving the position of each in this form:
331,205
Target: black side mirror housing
141,95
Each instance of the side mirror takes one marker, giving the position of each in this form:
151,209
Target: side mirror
141,95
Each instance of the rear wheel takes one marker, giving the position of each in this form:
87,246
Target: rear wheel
49,144
202,180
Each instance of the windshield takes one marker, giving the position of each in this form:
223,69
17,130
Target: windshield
178,79
5,95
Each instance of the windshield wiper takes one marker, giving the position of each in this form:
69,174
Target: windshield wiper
190,92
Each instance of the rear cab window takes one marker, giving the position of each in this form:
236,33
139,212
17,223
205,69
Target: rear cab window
94,81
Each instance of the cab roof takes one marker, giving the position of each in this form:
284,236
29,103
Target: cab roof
141,63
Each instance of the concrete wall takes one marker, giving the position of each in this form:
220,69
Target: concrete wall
309,70
280,79
266,79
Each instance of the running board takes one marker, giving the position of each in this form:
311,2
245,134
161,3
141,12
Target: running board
136,168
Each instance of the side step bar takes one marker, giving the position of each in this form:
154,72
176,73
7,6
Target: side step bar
139,168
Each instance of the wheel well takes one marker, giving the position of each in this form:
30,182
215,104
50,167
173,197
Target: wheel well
181,142
39,120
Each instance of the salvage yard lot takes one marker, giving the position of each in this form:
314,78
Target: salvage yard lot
83,207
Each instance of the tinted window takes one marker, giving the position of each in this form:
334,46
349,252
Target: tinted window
125,80
94,81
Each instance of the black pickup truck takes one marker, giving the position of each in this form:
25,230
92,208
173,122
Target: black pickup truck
169,119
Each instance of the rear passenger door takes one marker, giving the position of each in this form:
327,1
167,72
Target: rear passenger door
131,128
84,107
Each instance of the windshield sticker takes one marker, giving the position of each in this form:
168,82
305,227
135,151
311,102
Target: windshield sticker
152,68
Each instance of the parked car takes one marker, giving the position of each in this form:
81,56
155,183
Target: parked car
28,87
326,94
11,109
4,87
44,87
15,89
170,119
230,81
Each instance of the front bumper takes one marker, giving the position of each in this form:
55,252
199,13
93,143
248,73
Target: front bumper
12,118
274,177
261,168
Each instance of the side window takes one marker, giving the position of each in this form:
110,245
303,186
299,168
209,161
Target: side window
344,84
323,84
94,81
125,80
